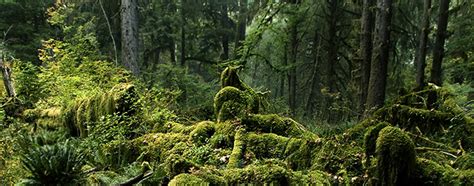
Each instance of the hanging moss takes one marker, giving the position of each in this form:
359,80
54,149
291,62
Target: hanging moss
119,100
370,138
396,157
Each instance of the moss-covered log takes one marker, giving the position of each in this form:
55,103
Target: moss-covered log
119,100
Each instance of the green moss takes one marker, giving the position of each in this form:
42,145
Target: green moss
464,162
229,77
220,141
370,138
357,132
410,118
187,179
273,123
155,146
396,157
83,112
296,152
173,127
202,132
236,158
429,172
175,164
271,173
230,103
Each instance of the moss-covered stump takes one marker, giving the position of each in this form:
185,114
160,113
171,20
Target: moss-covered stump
370,138
396,157
231,103
119,100
235,97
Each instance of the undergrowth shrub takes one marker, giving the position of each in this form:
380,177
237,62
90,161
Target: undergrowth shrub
56,164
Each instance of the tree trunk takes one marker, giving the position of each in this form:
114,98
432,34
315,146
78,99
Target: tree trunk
367,23
441,34
241,26
421,57
130,35
332,46
292,72
130,40
378,69
315,80
183,34
7,81
225,35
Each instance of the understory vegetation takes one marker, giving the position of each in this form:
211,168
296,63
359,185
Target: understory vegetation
79,117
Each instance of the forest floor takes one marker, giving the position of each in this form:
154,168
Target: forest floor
117,137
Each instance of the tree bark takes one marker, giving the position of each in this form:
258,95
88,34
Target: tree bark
332,46
225,35
292,71
380,57
241,26
130,40
367,23
441,34
421,57
7,80
183,34
315,80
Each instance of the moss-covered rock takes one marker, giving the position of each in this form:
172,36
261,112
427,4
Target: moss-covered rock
396,157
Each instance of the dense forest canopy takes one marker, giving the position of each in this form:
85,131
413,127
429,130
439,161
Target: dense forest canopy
285,92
